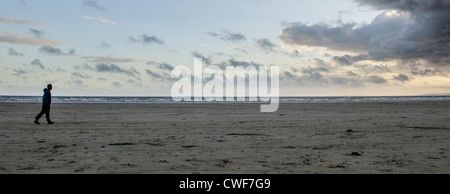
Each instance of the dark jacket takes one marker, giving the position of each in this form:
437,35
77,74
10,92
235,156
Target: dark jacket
47,98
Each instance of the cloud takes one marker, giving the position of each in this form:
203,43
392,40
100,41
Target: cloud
206,60
265,44
322,74
147,39
76,74
314,76
401,77
55,51
376,79
38,63
93,4
368,68
83,67
100,19
134,83
314,70
153,74
322,35
270,47
240,49
405,30
427,72
112,68
213,34
310,79
16,39
408,5
60,70
36,33
165,66
228,36
346,60
295,53
418,69
345,81
117,84
244,64
130,81
15,21
162,66
323,77
23,3
104,45
76,83
13,52
51,50
103,59
19,72
352,74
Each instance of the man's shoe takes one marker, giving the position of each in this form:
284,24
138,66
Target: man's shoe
36,122
50,122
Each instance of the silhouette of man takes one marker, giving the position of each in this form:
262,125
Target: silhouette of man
46,101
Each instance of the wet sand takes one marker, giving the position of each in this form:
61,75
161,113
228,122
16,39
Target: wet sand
227,138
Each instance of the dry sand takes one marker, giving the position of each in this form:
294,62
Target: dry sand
227,138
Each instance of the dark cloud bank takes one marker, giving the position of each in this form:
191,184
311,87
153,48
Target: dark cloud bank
407,30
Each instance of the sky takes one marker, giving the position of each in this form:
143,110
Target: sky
128,48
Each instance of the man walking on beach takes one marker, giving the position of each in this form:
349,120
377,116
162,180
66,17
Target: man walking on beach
46,101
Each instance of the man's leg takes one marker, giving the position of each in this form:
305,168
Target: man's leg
47,114
43,111
40,114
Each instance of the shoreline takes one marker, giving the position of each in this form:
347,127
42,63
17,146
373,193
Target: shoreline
334,99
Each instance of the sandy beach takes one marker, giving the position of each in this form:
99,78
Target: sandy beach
227,138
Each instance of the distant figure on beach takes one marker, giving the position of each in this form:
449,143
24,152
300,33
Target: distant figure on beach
46,101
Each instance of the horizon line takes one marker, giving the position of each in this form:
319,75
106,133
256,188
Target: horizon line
311,96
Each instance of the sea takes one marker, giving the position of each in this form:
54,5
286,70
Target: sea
115,99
